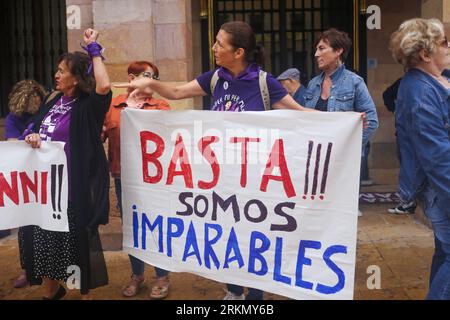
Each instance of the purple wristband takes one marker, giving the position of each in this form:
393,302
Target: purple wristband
94,50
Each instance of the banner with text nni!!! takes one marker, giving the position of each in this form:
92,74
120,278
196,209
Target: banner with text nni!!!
265,200
33,186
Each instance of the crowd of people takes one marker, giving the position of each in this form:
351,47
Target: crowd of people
82,113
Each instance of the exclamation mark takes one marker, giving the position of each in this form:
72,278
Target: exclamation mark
308,162
325,171
316,171
53,190
60,180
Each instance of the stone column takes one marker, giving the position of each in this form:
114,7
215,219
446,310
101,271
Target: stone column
127,33
432,9
155,30
437,9
78,11
383,160
173,43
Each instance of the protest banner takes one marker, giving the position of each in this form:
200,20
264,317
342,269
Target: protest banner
267,200
33,186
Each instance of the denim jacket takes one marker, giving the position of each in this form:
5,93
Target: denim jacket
348,93
422,119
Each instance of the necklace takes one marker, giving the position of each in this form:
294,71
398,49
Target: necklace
65,105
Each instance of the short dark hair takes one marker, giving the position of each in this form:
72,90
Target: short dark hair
78,64
241,36
337,40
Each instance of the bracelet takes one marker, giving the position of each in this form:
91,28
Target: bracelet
93,49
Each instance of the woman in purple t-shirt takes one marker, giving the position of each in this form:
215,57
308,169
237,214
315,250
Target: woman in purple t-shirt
236,88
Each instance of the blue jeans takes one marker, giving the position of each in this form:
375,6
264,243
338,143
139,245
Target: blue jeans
440,266
253,294
364,162
137,266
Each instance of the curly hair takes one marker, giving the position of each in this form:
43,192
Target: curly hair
21,95
412,36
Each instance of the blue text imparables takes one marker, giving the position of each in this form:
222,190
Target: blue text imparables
253,258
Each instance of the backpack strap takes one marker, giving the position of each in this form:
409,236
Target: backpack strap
264,89
214,80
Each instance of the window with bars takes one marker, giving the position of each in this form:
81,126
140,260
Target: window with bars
34,35
286,29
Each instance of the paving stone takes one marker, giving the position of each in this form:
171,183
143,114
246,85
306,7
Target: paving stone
398,245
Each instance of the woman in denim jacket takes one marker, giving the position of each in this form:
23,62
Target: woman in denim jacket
336,88
422,117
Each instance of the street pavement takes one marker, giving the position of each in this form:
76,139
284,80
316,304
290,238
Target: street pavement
399,245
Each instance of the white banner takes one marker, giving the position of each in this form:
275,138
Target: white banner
33,186
266,200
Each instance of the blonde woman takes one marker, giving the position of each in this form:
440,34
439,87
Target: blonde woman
422,118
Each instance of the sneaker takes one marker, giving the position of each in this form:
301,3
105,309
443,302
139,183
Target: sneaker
360,213
407,208
231,296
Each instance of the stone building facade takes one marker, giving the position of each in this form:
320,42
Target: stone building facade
162,31
169,33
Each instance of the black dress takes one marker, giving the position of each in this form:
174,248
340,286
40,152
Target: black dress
81,246
55,252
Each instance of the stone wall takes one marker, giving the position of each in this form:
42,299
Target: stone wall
437,9
156,30
383,158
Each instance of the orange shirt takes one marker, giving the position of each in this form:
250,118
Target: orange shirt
112,125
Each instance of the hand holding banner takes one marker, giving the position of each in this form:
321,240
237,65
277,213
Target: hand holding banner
266,200
33,186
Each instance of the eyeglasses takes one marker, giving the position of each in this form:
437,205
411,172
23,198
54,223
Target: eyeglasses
148,74
444,43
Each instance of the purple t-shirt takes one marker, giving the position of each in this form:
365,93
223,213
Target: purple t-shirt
243,92
56,127
15,125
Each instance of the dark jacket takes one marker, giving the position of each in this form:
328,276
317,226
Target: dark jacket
390,95
90,186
